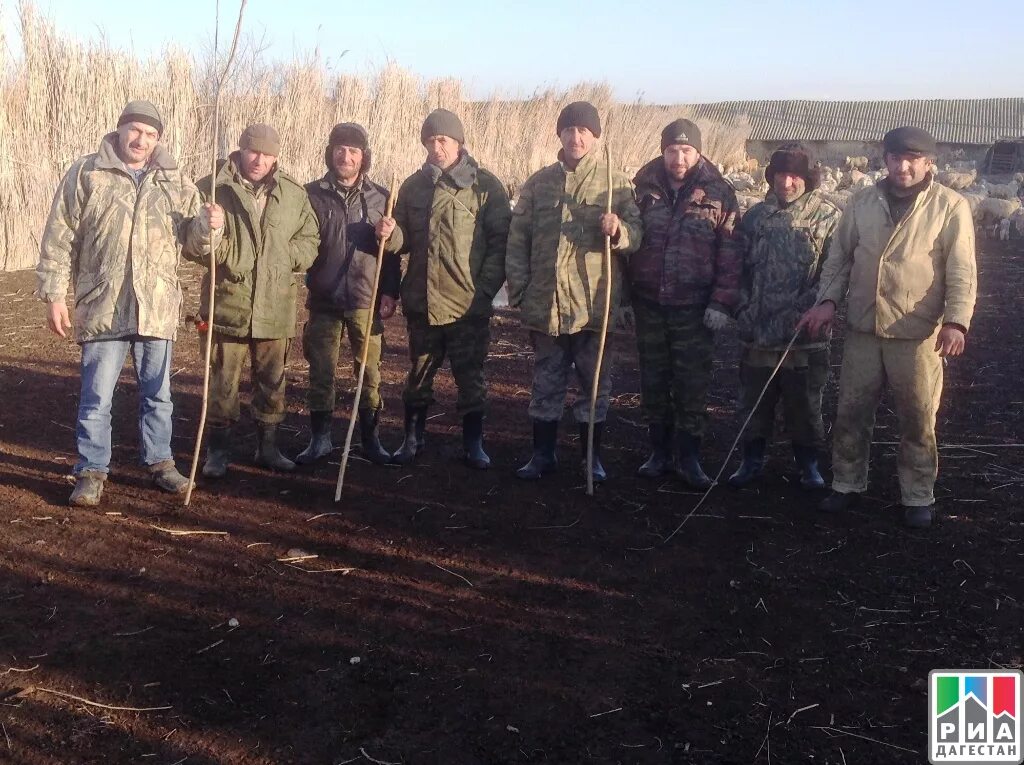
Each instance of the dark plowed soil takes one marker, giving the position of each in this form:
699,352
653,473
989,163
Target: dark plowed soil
455,617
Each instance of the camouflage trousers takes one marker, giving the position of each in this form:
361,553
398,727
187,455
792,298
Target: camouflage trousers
554,358
912,371
800,384
321,346
464,342
675,351
267,358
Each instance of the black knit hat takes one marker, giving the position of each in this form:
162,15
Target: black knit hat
144,112
680,131
793,158
442,122
349,134
909,140
579,114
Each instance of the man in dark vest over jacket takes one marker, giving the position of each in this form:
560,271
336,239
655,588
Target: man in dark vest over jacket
347,205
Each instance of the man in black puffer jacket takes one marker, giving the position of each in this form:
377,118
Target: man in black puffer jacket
347,205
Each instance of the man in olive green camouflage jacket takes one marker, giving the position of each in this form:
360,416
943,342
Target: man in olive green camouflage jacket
555,271
451,218
785,240
270,237
113,237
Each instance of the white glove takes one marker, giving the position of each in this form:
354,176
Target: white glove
715,320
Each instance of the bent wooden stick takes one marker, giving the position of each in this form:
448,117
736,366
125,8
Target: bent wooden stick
365,353
595,383
213,251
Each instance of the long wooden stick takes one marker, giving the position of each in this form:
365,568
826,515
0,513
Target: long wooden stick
213,248
365,354
607,268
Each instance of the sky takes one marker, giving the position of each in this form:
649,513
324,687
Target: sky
654,50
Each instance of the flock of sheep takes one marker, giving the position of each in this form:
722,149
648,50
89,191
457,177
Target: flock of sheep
996,207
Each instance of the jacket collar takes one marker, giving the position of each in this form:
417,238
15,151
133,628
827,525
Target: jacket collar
107,158
462,174
653,174
585,165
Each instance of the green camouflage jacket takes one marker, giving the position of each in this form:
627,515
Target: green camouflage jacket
454,226
555,258
783,251
116,245
260,256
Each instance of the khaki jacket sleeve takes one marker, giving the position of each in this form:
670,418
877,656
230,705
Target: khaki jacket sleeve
631,227
59,249
497,217
961,267
835,274
520,240
305,242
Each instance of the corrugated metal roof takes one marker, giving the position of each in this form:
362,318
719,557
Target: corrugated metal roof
967,121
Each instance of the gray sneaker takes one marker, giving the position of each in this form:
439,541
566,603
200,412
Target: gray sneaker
167,478
88,489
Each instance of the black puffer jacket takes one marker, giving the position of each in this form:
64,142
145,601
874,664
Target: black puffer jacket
341,278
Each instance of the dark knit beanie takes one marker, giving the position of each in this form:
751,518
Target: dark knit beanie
579,114
261,138
680,131
349,134
909,140
793,158
442,122
144,112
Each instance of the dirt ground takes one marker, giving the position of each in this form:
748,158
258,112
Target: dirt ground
459,617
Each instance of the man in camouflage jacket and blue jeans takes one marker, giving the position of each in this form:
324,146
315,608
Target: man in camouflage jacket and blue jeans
114,237
684,281
785,240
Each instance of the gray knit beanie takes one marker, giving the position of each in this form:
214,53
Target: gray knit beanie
141,111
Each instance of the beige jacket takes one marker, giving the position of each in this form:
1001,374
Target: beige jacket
903,280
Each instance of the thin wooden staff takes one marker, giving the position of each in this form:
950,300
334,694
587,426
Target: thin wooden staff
365,353
213,245
607,268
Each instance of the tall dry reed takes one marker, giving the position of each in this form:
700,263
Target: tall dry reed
62,95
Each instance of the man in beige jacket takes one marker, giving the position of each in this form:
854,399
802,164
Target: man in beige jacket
905,251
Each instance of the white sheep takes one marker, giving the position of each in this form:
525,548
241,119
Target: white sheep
992,210
956,180
974,200
1003,190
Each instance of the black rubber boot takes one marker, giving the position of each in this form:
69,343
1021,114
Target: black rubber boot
837,502
268,455
473,441
600,476
218,452
320,444
919,517
688,462
807,461
369,438
752,466
543,461
660,461
415,425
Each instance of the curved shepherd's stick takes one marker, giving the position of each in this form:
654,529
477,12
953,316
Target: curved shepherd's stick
364,355
607,267
213,248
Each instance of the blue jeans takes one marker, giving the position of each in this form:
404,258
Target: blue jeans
102,361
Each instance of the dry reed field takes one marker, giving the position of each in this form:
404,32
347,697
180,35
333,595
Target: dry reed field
61,95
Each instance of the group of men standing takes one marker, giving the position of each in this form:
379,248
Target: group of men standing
904,250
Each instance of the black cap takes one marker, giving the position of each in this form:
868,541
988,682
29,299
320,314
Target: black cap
579,114
909,140
680,131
